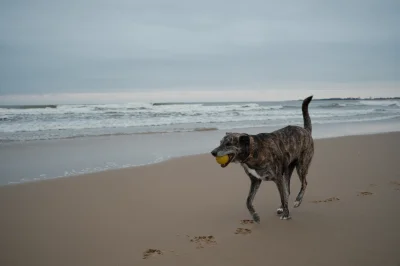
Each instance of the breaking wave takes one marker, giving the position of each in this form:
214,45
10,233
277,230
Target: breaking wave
63,121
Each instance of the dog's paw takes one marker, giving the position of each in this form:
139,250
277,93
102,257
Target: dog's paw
286,217
297,204
256,218
279,210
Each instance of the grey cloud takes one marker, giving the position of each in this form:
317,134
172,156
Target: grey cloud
71,46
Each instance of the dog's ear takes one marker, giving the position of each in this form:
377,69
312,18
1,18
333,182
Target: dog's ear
244,139
244,142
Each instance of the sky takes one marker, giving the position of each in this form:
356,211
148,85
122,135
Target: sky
182,50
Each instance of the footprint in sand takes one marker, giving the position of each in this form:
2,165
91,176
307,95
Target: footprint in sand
242,231
396,183
151,252
326,200
200,241
365,193
247,222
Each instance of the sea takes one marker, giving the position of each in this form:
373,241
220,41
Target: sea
49,141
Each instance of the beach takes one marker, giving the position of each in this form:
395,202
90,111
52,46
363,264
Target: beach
127,129
188,211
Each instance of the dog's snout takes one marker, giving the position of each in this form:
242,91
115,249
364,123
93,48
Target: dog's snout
214,153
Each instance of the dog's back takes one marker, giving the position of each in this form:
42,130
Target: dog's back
292,141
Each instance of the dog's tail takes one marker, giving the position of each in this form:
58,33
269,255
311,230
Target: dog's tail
306,116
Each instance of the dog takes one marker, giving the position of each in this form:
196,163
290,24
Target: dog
272,157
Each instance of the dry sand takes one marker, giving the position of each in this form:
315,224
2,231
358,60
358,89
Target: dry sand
189,211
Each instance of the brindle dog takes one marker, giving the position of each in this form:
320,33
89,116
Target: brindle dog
272,157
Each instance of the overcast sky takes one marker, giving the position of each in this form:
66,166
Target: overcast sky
159,48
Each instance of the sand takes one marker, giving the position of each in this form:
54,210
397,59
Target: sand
190,211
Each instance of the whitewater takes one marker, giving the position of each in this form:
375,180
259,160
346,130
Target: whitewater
45,122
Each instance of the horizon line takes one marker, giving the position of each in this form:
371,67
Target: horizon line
198,102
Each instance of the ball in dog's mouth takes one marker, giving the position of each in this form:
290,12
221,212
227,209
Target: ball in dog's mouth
230,157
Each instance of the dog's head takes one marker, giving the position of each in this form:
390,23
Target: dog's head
235,145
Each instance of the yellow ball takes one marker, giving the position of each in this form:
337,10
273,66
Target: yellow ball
222,159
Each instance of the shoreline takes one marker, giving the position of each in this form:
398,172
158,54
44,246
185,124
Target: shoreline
36,180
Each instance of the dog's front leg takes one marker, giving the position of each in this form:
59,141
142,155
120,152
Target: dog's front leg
255,184
283,188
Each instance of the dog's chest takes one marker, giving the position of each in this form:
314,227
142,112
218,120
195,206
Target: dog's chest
254,173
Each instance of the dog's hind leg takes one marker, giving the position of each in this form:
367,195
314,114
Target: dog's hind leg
289,175
255,184
302,171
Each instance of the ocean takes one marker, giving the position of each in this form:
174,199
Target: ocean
45,122
51,141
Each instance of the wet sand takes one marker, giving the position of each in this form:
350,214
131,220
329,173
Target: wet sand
45,159
190,211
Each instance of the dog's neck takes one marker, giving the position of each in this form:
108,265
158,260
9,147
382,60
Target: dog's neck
251,149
